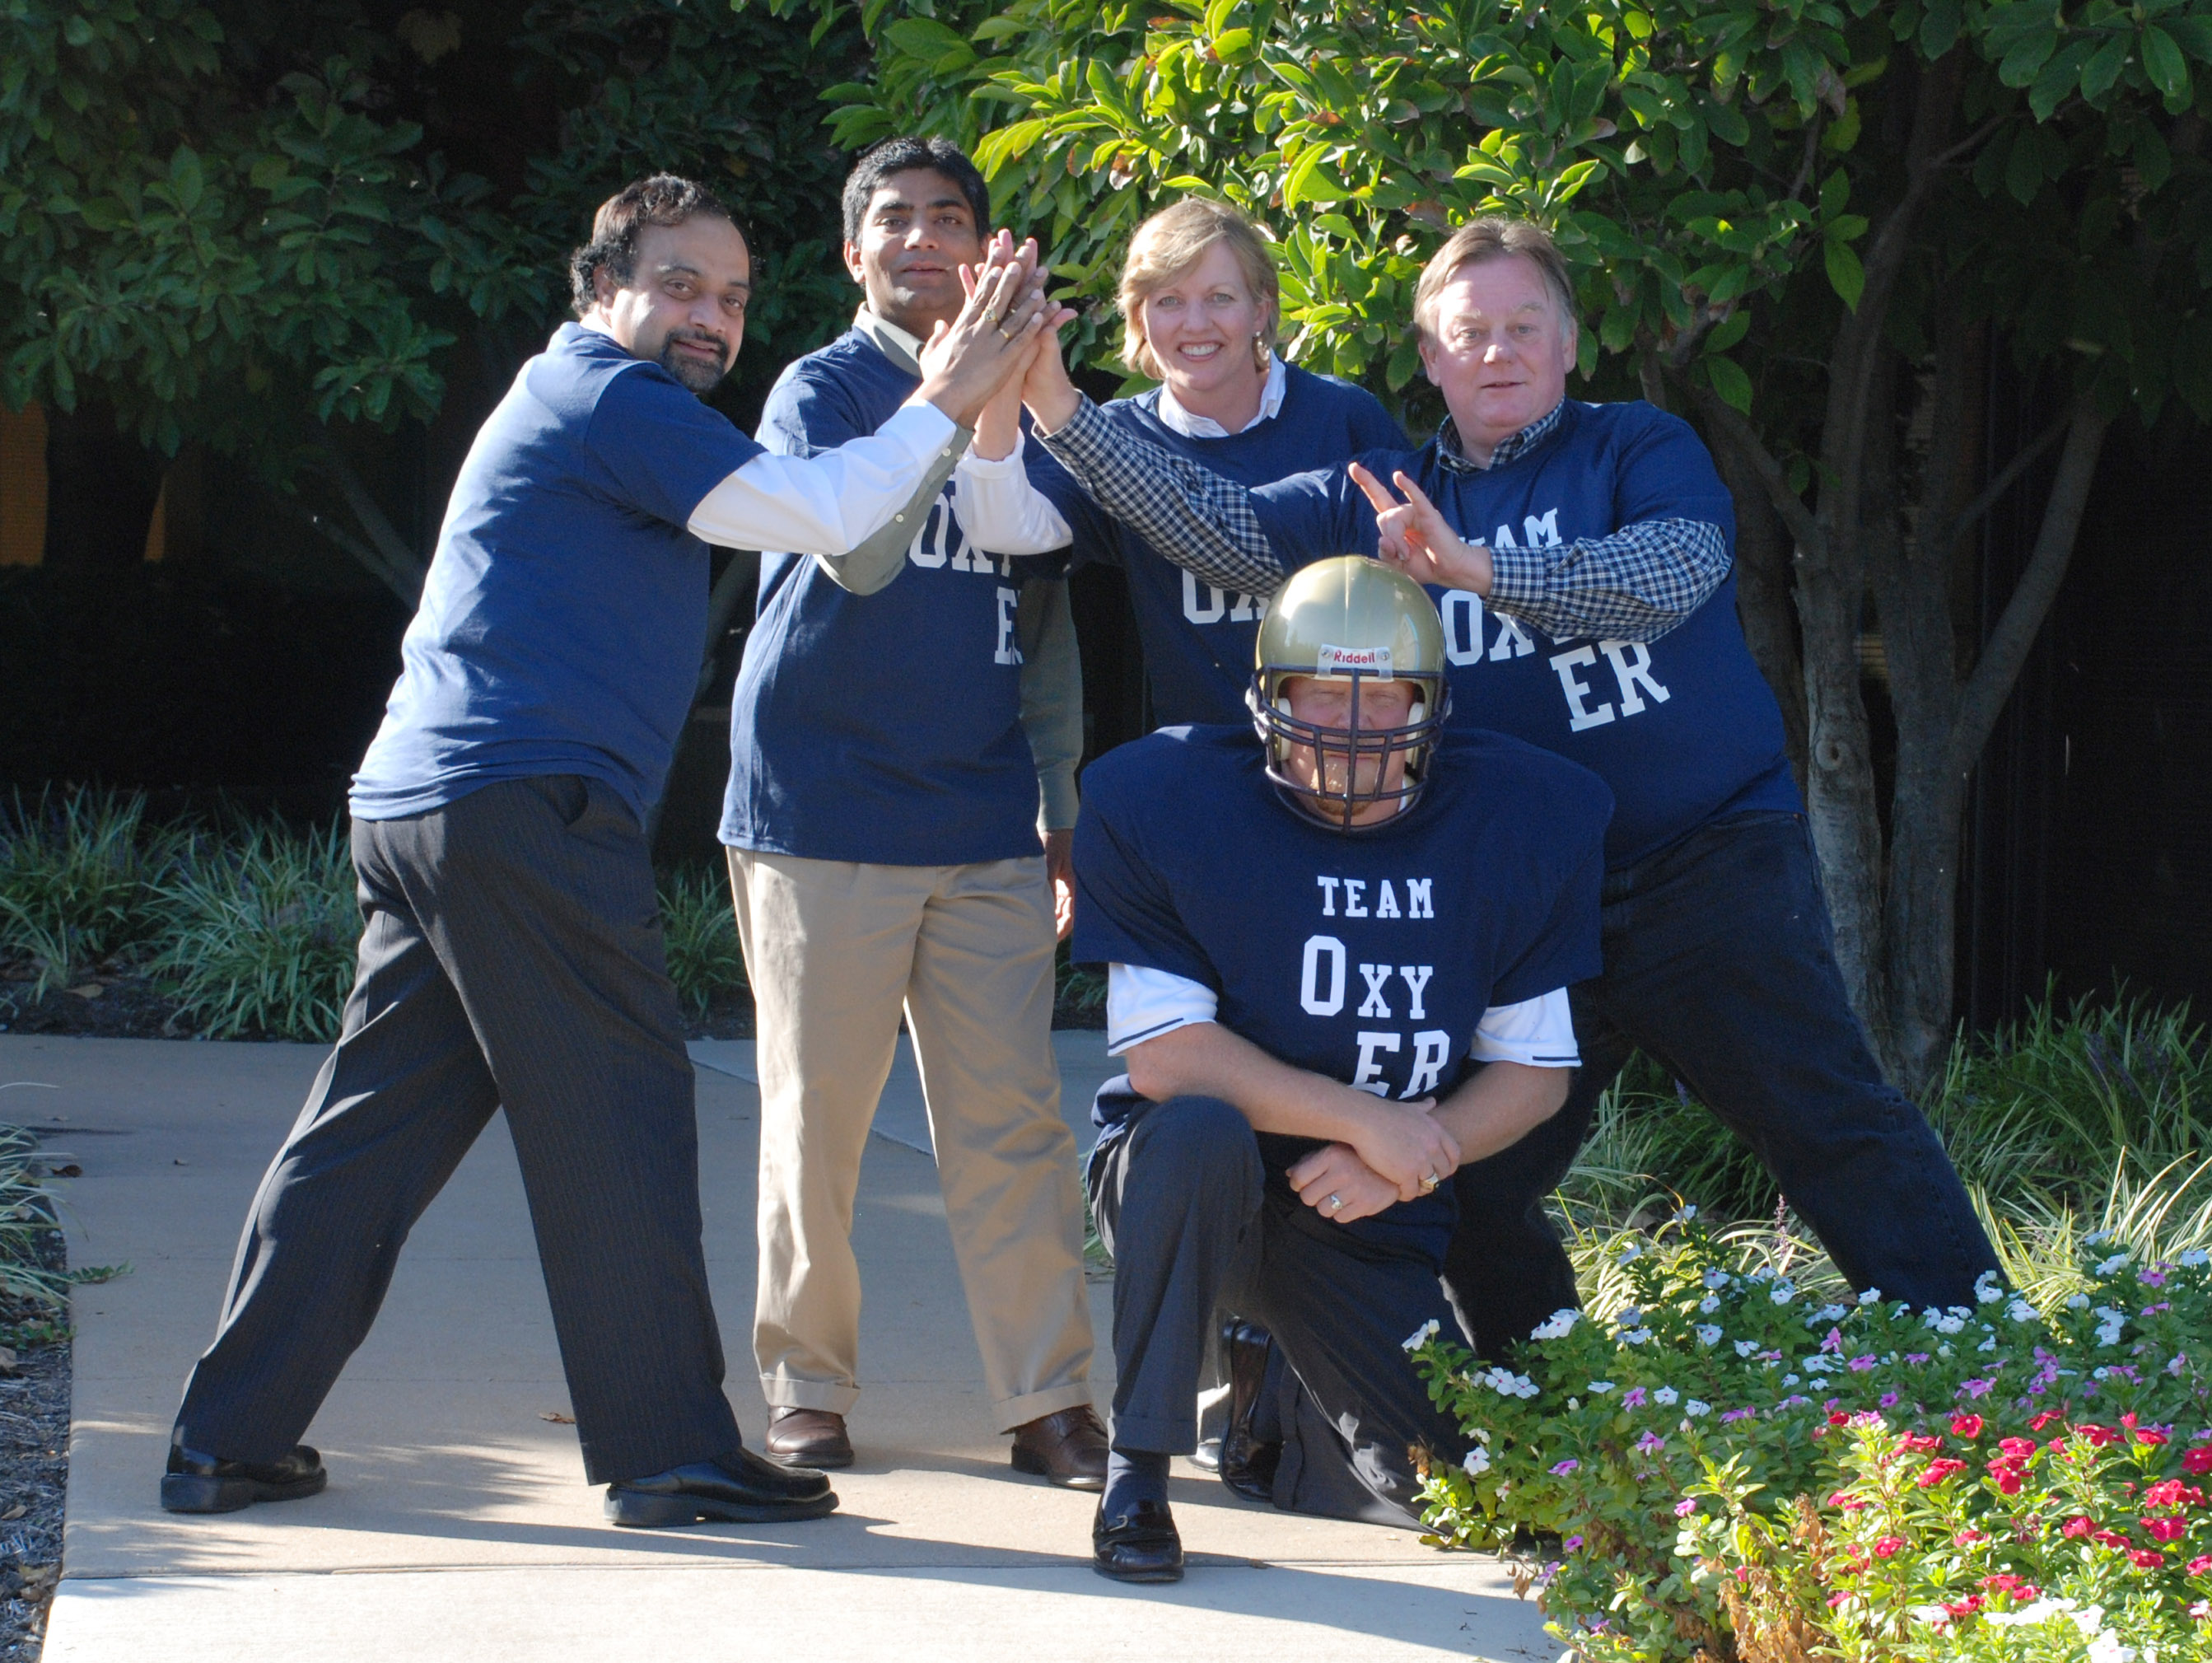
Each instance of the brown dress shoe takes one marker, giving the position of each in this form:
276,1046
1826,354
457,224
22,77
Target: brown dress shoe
1067,1448
807,1437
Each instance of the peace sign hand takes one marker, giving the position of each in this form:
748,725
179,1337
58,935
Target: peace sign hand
1413,537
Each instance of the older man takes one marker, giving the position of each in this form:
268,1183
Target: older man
511,956
884,855
1599,537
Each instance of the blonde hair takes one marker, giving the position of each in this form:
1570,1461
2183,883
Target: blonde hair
1492,237
1169,244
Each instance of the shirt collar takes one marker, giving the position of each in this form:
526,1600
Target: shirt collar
1176,420
901,347
1510,448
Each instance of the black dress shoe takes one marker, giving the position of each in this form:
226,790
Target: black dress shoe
200,1482
1248,1465
1067,1448
1140,1545
807,1437
740,1487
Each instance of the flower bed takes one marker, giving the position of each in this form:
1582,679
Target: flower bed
1735,1464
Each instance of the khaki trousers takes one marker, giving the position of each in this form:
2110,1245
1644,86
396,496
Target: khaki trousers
834,949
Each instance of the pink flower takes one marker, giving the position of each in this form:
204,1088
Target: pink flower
2018,1449
2201,1565
1887,1546
1632,1398
1940,1468
1564,1468
1571,1545
1735,1414
1967,1539
1967,1426
1650,1443
2147,1559
2198,1461
1685,1507
1846,1500
1975,1388
1889,1400
2166,1530
1860,1365
2075,1528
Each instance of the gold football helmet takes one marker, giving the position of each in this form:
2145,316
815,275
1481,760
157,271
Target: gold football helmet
1350,620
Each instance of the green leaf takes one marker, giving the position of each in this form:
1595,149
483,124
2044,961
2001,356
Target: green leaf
1939,28
2104,68
2023,62
2163,63
77,32
1846,276
1731,330
186,179
1309,181
2058,79
2024,173
1729,380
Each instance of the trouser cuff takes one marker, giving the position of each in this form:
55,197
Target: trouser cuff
784,1392
1020,1411
1164,1435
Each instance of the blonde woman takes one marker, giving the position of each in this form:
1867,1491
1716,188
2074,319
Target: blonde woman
1200,308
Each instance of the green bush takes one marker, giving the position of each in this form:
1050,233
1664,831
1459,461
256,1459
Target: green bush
704,959
258,933
75,871
1742,1467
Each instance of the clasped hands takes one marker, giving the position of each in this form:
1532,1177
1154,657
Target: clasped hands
1401,1151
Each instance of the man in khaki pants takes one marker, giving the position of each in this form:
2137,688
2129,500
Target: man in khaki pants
885,853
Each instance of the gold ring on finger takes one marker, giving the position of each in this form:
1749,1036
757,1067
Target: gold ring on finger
1002,334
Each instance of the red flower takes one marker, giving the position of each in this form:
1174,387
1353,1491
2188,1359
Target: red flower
2150,1434
1967,1539
2147,1558
1839,1420
2019,1448
1921,1443
1967,1426
2198,1461
2098,1435
2112,1538
2012,1585
1836,1600
1887,1546
2008,1476
2166,1530
2172,1492
1965,1607
1938,1470
1846,1500
2201,1565
2075,1528
2044,1419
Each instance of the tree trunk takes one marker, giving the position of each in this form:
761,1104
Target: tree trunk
1762,597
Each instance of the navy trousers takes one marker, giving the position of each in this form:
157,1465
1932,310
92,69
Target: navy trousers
1720,964
512,959
1184,1205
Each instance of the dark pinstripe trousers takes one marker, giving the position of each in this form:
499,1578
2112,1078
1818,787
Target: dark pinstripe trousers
512,958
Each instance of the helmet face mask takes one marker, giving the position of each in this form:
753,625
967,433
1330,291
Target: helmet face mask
1354,622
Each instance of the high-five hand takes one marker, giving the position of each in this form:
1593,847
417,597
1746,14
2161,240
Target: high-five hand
968,360
1415,538
998,427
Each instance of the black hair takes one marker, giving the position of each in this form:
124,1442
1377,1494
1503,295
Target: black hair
661,199
897,156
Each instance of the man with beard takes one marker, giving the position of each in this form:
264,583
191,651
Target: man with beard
513,956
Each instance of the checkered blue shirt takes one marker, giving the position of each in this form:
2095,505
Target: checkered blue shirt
1634,585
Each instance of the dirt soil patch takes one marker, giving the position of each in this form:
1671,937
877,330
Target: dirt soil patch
34,1429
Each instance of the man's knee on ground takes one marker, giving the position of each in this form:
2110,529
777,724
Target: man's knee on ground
1196,1135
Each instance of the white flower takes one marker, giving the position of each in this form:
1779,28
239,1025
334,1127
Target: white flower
1477,1462
2077,1301
2020,1311
1421,1336
2113,1265
1828,1313
1716,1280
1821,1362
1629,1253
2107,1649
1637,1337
1783,1292
1695,1409
1708,1333
1710,1303
1789,1379
2192,1258
1598,1388
1765,1273
1507,1384
1989,1289
1560,1323
1630,1317
2096,1238
1686,1214
1666,1397
1745,1348
1871,1296
1990,1345
1949,1325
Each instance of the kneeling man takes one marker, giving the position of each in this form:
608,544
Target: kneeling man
1339,959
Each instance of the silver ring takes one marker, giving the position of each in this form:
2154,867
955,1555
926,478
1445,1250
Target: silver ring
1335,1202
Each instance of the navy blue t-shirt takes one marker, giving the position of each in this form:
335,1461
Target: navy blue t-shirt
1684,729
1366,957
565,610
883,727
1197,639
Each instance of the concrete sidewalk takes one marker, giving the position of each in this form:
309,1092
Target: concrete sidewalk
453,1482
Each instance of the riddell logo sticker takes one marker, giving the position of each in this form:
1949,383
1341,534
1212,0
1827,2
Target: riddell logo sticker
1342,661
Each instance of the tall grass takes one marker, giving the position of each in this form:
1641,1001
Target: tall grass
704,959
259,929
76,868
2076,1120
